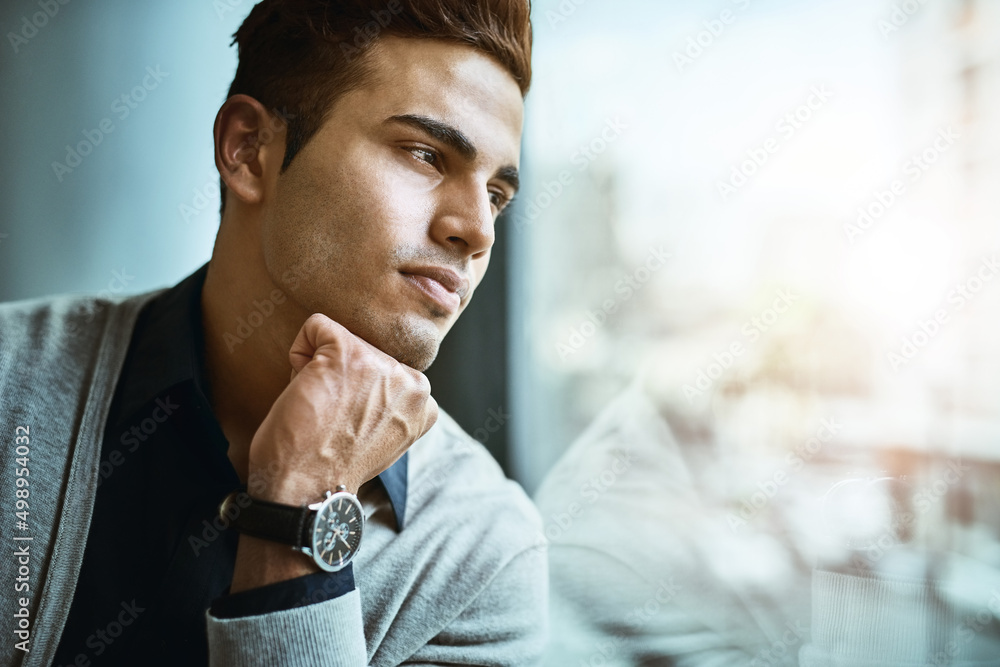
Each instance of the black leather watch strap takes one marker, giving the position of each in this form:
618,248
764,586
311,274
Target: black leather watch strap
271,521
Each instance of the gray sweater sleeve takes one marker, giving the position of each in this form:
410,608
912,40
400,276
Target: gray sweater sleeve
325,633
506,624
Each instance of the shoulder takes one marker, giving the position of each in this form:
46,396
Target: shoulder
31,317
32,323
46,331
53,350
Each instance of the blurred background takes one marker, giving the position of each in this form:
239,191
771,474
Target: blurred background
692,127
742,315
809,382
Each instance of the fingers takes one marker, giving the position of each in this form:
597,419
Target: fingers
318,330
430,415
425,408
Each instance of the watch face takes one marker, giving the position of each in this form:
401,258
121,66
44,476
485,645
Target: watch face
337,531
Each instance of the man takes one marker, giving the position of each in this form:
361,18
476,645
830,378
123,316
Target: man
356,224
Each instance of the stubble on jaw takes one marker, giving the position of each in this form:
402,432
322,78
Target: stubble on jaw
409,337
404,339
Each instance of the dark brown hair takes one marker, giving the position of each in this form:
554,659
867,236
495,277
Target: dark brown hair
296,57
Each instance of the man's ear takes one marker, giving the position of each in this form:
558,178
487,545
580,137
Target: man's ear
249,145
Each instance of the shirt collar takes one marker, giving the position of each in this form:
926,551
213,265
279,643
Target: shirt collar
168,349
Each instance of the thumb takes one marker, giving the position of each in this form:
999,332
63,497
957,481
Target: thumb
317,331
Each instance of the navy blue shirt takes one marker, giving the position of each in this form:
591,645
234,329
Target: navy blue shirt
157,557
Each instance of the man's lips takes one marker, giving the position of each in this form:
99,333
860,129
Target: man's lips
442,285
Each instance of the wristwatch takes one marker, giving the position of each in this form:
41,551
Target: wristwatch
329,531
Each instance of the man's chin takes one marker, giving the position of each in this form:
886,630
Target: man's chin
411,341
417,358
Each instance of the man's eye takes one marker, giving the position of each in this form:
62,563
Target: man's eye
499,200
427,156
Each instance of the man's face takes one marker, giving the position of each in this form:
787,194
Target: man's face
386,215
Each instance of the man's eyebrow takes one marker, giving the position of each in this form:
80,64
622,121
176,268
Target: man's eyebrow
454,138
443,132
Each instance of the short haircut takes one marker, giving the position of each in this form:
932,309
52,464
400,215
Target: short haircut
296,57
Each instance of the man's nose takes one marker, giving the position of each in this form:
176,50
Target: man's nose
465,222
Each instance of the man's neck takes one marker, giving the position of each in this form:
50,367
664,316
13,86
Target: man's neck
246,362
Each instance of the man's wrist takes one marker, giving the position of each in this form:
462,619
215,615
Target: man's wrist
262,562
293,489
279,541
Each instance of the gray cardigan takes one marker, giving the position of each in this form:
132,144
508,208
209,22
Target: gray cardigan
464,583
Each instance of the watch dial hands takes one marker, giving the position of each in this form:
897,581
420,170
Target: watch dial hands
340,535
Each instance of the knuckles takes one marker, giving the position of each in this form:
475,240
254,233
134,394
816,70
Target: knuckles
423,385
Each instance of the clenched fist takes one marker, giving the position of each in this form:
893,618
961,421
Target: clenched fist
348,413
